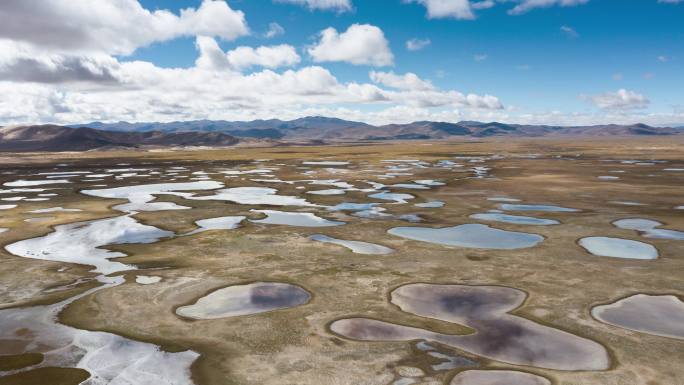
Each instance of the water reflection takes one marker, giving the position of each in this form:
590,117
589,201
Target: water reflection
499,335
662,315
470,236
618,248
239,300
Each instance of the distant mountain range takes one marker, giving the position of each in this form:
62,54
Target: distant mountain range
332,129
313,130
60,138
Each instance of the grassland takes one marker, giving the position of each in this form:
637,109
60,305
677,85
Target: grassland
295,346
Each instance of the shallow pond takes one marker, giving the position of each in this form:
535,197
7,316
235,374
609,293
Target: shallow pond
515,219
429,182
499,335
240,300
24,183
147,279
325,163
549,208
140,197
247,172
220,223
470,236
331,182
411,186
503,199
373,213
254,196
274,217
627,203
333,191
357,247
449,361
389,196
109,358
82,242
648,228
52,210
39,219
349,206
662,315
430,205
497,377
618,248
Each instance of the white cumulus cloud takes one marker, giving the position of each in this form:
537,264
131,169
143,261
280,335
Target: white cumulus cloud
408,81
213,58
23,63
569,31
416,92
528,5
111,27
334,5
621,99
439,9
64,61
113,90
417,44
274,29
268,56
360,44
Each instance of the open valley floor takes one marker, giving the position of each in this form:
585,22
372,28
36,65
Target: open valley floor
530,261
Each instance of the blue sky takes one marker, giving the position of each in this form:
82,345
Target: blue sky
560,61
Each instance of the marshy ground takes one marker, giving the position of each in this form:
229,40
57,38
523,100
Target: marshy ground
125,312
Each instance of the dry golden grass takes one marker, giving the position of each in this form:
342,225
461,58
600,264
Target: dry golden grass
295,346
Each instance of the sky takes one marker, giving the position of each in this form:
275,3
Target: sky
567,62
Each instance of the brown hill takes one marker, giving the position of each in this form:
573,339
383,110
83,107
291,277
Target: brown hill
332,129
60,138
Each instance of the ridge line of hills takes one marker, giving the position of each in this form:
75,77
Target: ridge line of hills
308,130
324,128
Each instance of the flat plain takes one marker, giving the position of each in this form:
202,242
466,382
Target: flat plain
235,266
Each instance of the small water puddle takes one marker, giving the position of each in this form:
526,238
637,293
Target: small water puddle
357,247
140,197
648,228
325,163
274,217
618,248
240,300
549,208
388,196
255,196
25,183
470,236
515,219
661,315
220,223
498,377
53,210
147,279
430,205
